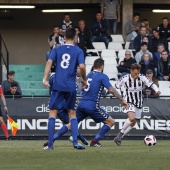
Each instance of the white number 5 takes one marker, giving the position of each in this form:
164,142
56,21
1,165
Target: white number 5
88,84
65,62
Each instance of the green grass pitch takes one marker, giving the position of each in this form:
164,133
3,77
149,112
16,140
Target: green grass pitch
132,155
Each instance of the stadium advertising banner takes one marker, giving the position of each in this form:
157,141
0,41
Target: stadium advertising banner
32,117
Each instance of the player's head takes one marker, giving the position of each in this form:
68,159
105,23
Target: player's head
70,33
98,64
135,70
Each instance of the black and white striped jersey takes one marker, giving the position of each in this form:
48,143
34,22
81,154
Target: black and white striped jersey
133,88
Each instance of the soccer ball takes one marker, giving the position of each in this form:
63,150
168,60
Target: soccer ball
150,140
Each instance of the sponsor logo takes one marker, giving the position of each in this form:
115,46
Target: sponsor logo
89,124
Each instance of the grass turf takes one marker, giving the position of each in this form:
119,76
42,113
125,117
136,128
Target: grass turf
132,155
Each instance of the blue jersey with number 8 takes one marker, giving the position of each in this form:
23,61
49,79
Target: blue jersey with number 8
67,57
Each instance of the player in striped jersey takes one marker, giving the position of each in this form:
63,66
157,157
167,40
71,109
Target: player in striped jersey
133,84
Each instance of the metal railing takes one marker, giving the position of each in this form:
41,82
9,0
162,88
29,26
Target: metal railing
4,56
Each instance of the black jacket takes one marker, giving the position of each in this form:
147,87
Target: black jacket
126,66
144,67
96,30
161,68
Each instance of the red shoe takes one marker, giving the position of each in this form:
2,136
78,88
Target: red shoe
95,144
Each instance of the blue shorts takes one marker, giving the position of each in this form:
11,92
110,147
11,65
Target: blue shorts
61,100
95,112
63,116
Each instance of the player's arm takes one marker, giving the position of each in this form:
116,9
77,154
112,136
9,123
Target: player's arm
117,95
83,74
149,83
3,100
46,72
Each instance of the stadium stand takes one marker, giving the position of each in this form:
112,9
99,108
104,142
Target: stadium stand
117,38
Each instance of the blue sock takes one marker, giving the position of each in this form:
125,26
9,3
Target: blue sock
74,129
61,132
81,137
51,130
102,132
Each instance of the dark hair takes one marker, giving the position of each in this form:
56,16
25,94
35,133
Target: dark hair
70,33
56,26
11,73
145,20
164,18
66,14
155,29
164,51
135,66
136,14
98,63
143,43
14,84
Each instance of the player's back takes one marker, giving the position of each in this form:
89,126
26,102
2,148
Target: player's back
67,57
96,81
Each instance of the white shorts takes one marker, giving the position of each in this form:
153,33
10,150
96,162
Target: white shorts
132,108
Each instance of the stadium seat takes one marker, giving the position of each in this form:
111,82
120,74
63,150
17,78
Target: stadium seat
117,38
164,87
99,45
90,60
113,84
92,52
115,46
110,60
108,53
88,68
110,68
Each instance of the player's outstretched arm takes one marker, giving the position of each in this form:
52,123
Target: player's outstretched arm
117,95
46,72
83,74
156,89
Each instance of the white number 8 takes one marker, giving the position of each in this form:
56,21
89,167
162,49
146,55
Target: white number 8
65,62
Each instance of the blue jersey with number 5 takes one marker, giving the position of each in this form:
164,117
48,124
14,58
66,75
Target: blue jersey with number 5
67,57
96,81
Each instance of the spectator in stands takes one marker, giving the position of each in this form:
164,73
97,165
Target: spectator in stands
164,29
138,39
147,91
6,84
13,91
145,23
67,23
85,35
145,39
54,40
111,13
146,63
144,50
164,67
157,39
132,27
99,30
125,65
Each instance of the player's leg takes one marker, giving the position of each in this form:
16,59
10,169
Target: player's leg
100,115
4,127
53,106
108,123
71,105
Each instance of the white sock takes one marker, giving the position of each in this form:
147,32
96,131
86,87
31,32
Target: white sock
127,130
126,125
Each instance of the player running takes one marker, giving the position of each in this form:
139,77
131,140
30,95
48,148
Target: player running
133,84
67,57
89,103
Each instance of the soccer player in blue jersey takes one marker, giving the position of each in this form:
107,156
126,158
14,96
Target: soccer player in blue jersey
89,103
67,57
63,116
